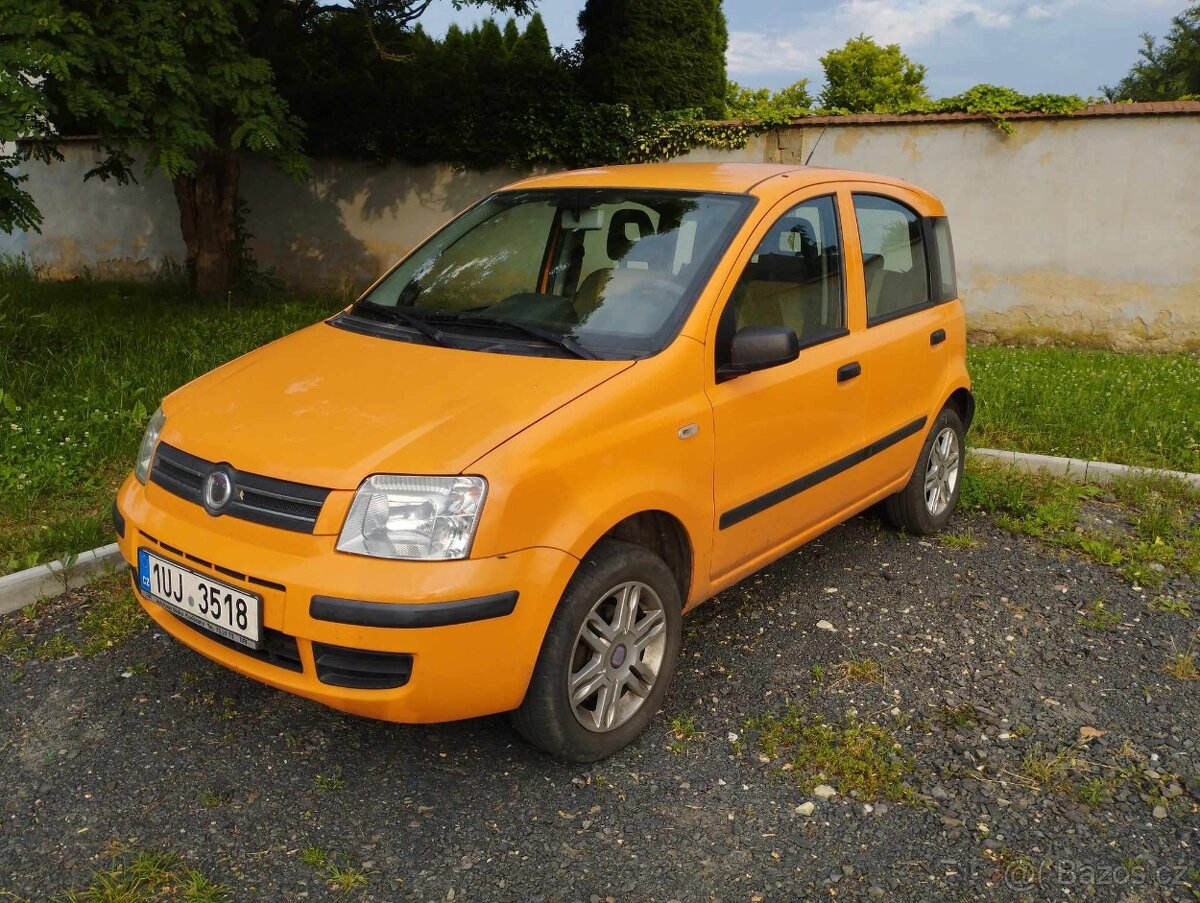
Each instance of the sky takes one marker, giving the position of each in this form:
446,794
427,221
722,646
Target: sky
1053,46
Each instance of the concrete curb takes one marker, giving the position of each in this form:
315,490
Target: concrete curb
1077,469
20,589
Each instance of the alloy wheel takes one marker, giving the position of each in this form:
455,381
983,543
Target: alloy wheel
942,471
617,657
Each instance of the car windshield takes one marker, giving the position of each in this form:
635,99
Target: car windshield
597,273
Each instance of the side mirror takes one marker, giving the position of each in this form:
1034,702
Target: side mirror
759,348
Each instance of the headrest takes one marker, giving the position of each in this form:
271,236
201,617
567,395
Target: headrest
791,236
872,262
653,252
619,241
803,238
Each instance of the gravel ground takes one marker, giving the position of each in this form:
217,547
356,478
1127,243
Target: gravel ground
988,676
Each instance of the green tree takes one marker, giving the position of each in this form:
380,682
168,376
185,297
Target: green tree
189,82
654,55
1167,70
172,75
512,33
533,50
764,105
863,77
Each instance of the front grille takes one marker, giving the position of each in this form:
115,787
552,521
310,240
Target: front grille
361,669
220,569
263,500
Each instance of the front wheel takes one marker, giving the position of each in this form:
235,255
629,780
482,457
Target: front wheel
608,656
925,504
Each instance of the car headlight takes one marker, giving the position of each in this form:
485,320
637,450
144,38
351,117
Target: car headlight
414,517
149,440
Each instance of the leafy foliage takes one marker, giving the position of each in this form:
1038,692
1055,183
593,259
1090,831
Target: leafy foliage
995,101
673,134
863,77
654,55
764,106
479,98
492,96
190,83
173,73
1167,70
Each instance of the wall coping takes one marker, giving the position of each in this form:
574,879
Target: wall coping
1091,111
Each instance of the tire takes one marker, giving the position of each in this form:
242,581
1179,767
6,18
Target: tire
615,578
913,508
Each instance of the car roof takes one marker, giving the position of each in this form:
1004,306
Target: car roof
765,180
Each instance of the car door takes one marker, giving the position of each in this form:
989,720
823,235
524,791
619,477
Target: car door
905,343
781,433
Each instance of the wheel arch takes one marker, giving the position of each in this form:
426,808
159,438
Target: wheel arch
962,402
665,535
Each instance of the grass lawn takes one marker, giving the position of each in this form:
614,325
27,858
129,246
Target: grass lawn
1127,408
84,363
82,366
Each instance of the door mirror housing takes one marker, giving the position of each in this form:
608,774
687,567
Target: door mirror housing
759,348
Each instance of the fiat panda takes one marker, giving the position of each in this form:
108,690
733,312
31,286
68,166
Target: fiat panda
593,400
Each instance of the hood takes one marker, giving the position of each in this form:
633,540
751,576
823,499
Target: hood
329,407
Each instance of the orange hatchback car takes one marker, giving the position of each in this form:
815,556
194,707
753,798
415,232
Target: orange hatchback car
590,402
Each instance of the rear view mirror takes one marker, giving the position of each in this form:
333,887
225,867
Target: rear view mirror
759,348
588,219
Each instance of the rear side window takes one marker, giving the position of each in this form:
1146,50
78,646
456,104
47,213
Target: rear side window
945,283
894,258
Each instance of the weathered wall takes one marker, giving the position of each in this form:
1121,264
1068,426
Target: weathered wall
352,220
1085,228
101,227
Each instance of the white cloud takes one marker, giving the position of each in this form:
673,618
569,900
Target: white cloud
751,51
913,24
910,23
917,23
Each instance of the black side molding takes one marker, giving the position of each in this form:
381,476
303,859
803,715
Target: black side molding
118,520
808,481
399,614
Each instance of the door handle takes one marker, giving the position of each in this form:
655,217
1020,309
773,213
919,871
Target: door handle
847,372
937,337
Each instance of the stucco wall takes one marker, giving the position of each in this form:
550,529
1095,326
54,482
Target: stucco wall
352,220
101,227
1085,228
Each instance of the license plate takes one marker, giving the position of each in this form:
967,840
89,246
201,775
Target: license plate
207,603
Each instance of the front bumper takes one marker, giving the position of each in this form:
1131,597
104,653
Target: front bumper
459,670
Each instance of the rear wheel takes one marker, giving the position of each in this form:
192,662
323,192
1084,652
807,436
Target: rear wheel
926,503
608,656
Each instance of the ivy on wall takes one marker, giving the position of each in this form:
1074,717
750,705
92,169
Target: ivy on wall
674,134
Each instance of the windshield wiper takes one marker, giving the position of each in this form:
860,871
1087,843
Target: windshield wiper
404,318
566,343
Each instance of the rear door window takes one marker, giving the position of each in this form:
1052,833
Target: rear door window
943,256
894,257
